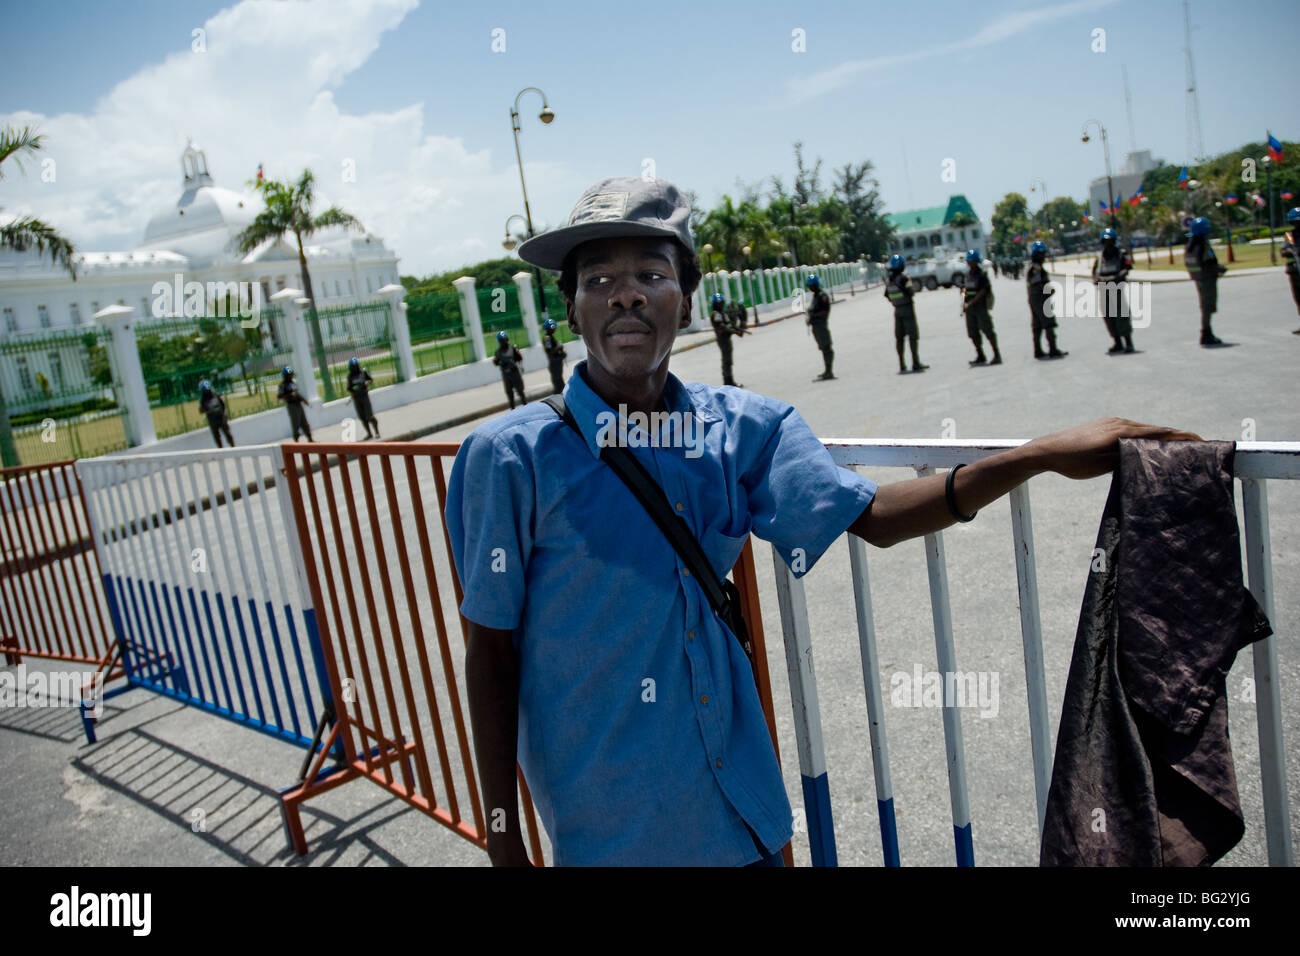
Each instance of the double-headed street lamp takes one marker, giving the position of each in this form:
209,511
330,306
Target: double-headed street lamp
546,116
1105,145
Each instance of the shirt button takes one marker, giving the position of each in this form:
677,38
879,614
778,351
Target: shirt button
718,763
704,699
686,572
690,635
679,506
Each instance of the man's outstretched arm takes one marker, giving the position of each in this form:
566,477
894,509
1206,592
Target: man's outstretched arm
910,509
492,680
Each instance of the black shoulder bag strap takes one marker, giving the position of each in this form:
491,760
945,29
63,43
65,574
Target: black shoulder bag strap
723,595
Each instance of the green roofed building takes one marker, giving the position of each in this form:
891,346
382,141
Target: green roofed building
937,231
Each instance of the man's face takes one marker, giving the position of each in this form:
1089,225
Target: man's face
628,305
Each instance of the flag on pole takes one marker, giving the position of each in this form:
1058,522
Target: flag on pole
1230,199
1136,198
1118,202
259,172
1274,148
1288,195
1182,179
1018,238
1102,205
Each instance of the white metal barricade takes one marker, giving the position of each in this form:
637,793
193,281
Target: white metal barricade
1255,463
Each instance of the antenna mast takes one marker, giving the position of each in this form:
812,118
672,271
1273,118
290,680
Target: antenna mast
1195,145
1128,107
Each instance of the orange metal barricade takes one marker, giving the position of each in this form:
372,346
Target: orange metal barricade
52,603
376,565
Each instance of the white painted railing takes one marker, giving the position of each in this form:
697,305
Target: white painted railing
1255,463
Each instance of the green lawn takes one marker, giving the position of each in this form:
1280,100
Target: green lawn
1246,256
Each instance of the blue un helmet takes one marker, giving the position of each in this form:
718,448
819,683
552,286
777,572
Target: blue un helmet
1293,215
1200,227
204,385
812,282
1109,233
354,362
1038,246
288,371
973,256
896,262
717,299
549,325
502,336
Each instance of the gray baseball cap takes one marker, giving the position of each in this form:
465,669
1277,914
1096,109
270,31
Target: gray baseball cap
615,209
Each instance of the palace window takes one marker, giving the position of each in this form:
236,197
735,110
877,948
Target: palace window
44,315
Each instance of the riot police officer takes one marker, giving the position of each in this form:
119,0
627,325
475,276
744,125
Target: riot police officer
510,362
359,382
214,407
295,404
900,293
819,314
1203,266
1109,271
554,355
725,325
977,296
1291,253
1037,282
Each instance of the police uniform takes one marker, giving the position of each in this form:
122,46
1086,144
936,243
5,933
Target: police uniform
900,293
724,328
1109,270
509,360
214,407
978,320
554,361
294,402
819,313
1204,269
1291,253
359,382
1042,320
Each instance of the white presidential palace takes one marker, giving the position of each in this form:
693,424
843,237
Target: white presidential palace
189,239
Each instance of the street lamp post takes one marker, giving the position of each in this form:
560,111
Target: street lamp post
1032,187
1268,175
707,249
1105,145
546,116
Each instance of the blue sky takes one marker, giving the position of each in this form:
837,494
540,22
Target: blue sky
418,100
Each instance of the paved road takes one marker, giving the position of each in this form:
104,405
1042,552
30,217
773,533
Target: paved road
121,802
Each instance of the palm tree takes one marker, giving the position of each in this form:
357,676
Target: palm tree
27,232
288,211
20,235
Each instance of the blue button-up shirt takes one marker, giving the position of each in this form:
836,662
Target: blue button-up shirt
641,735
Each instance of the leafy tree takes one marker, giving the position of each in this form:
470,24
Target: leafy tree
1010,219
288,213
867,232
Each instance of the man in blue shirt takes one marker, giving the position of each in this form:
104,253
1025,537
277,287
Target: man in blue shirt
593,656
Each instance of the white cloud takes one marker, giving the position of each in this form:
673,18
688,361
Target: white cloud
262,91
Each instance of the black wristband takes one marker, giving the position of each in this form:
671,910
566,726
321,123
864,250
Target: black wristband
952,502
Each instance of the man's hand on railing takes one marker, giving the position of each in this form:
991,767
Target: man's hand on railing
910,509
1089,450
